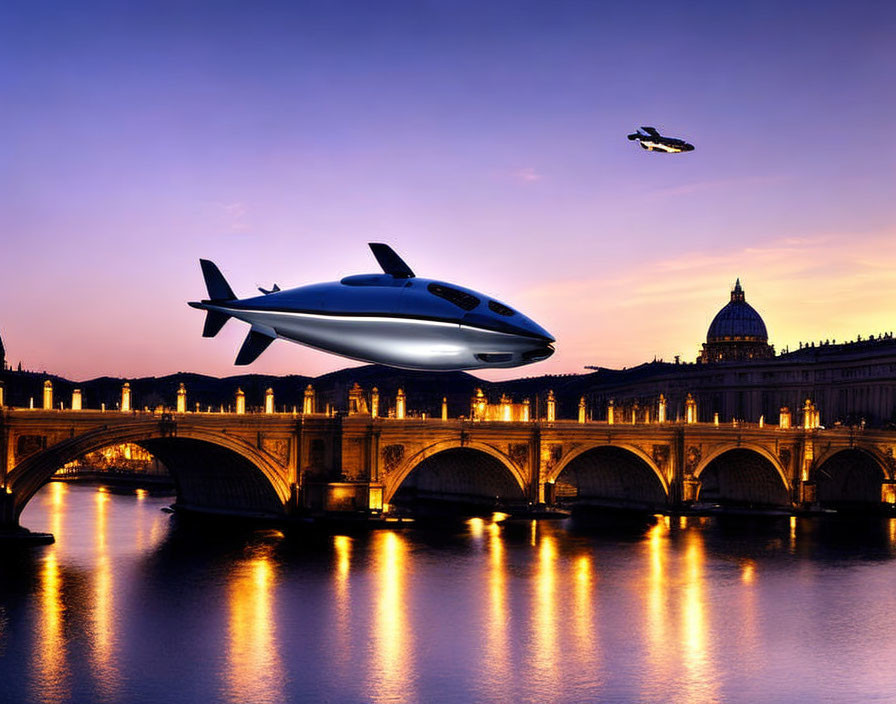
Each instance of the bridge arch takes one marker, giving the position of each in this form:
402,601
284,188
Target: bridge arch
742,474
505,473
613,472
211,469
849,476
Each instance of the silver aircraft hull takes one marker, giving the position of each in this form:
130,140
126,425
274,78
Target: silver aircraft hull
405,342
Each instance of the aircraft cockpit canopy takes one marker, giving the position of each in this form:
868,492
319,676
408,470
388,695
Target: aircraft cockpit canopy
461,299
500,309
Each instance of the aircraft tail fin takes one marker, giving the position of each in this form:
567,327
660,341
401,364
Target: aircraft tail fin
652,131
214,321
218,288
257,341
390,261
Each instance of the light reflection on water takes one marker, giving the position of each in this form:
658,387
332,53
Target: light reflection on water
253,651
390,674
486,610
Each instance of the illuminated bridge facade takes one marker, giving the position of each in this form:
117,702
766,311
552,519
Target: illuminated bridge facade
284,464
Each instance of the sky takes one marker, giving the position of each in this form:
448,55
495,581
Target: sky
484,141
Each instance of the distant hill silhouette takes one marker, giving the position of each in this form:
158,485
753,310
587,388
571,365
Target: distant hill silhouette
424,390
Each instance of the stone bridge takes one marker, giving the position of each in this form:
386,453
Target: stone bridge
285,464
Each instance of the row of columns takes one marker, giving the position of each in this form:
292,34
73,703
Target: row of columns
478,406
811,415
125,404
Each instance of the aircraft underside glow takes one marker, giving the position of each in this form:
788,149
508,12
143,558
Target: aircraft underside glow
653,141
392,318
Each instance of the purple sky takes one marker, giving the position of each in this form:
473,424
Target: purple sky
484,141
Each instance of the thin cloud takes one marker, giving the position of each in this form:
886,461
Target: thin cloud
702,186
527,175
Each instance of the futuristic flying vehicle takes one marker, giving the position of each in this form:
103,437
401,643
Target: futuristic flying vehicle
655,142
391,318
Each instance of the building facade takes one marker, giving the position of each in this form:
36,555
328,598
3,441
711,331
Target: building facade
739,377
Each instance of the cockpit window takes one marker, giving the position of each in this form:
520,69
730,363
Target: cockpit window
500,308
458,298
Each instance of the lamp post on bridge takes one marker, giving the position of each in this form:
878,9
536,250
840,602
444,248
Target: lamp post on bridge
48,395
240,402
181,398
76,400
690,404
308,401
784,418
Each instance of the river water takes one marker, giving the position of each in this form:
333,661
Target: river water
132,605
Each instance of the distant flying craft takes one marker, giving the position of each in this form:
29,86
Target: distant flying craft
653,141
391,318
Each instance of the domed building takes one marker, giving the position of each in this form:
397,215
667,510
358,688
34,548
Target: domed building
737,333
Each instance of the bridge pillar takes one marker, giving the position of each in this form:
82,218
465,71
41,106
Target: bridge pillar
76,400
807,492
126,398
7,458
8,520
888,492
537,472
48,395
552,407
681,488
